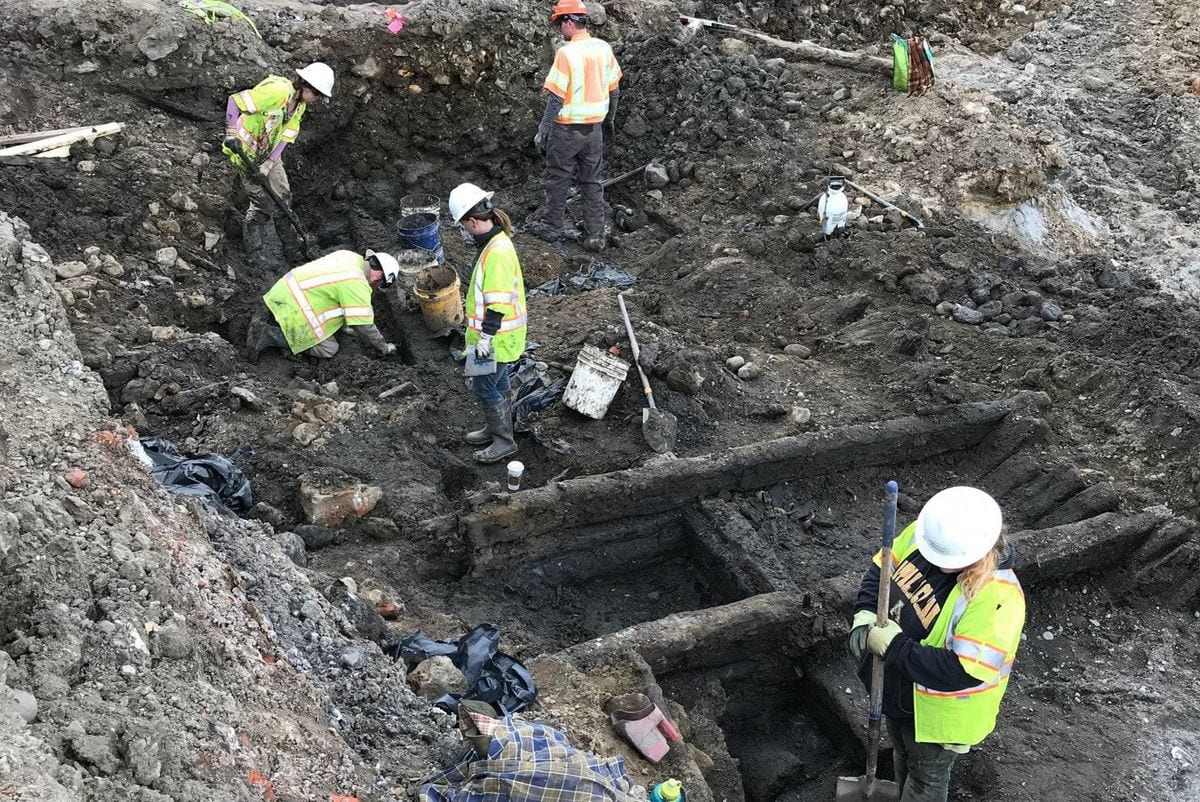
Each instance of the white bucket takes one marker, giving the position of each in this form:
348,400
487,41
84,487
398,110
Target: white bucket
594,382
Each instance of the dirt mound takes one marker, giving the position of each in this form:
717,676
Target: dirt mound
163,668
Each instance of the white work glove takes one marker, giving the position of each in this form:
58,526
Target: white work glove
540,140
265,167
483,348
388,349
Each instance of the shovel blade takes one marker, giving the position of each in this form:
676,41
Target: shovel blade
856,789
659,429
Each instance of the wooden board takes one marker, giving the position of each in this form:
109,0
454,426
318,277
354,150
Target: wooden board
58,142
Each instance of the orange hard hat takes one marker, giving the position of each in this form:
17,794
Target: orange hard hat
568,7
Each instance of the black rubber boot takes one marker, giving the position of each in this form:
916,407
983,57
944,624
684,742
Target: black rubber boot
500,425
262,336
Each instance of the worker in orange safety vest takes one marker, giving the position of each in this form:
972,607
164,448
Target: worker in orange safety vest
582,90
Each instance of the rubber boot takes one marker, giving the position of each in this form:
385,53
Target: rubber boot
596,242
293,246
267,336
254,243
500,424
479,437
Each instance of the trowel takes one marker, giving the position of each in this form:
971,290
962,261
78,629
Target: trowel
869,788
658,427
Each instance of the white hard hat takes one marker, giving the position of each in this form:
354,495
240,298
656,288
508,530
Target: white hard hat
387,264
957,527
464,198
319,76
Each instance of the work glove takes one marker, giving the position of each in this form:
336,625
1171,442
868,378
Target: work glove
388,349
483,348
880,638
264,167
609,128
541,140
858,632
232,142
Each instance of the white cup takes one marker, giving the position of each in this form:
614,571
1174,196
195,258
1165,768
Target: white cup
515,469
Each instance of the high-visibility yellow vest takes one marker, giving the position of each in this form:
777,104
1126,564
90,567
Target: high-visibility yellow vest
314,300
496,282
264,122
984,634
585,71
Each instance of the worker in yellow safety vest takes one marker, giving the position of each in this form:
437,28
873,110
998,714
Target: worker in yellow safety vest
261,122
495,313
581,106
314,301
950,641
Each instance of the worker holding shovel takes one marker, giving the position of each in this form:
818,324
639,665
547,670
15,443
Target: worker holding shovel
259,123
496,317
948,645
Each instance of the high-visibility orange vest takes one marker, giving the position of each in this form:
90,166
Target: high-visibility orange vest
585,71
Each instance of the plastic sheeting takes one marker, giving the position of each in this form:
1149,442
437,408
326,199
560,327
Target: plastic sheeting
491,675
212,477
595,276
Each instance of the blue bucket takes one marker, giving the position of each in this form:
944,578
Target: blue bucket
421,230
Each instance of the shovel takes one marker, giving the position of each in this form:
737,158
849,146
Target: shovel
869,788
658,427
306,242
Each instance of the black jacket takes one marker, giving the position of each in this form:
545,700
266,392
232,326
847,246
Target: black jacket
915,605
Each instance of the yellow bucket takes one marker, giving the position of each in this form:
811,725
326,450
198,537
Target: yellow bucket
437,293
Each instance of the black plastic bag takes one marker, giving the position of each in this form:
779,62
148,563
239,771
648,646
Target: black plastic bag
212,477
492,676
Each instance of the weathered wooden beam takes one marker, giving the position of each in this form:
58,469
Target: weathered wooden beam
667,484
702,638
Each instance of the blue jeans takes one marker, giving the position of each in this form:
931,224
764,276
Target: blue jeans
492,388
922,769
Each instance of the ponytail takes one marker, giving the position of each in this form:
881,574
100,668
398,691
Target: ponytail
497,216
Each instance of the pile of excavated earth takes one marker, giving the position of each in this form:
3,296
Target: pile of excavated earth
1035,337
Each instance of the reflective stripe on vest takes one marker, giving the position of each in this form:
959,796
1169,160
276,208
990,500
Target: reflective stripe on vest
482,300
591,73
990,656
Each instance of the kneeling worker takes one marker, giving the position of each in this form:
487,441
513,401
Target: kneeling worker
314,301
496,316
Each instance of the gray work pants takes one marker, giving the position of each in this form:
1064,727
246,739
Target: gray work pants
922,769
571,148
261,208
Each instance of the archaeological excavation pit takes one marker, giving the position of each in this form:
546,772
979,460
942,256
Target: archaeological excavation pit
725,578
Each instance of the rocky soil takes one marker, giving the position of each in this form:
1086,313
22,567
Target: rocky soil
176,652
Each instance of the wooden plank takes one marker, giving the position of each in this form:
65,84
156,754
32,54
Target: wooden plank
33,136
63,140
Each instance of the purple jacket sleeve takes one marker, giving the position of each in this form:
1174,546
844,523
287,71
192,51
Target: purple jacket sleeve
275,154
232,112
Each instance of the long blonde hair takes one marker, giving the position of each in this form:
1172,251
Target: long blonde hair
972,578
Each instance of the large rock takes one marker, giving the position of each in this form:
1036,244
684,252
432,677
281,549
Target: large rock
330,497
436,677
162,39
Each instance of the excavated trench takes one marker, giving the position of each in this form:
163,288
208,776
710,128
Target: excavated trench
732,585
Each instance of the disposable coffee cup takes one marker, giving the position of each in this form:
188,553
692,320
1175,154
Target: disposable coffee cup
515,469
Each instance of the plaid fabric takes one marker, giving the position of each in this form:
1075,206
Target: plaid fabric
530,762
